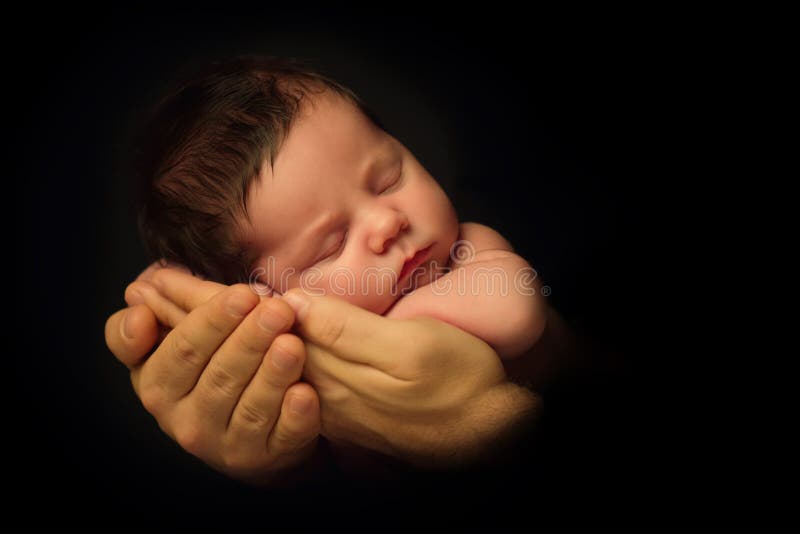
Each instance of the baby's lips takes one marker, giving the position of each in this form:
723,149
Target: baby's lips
415,261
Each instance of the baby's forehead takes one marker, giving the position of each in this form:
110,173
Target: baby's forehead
328,130
329,103
330,141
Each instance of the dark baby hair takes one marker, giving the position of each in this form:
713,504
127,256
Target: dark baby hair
202,146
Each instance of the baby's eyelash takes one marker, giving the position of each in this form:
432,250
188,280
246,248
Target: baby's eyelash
396,181
342,242
338,248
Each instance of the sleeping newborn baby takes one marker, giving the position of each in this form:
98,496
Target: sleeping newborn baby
259,171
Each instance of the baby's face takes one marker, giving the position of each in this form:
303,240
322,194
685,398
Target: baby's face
344,208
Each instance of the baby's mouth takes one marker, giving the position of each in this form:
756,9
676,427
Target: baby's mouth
414,262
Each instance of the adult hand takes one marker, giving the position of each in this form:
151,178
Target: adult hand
426,391
224,381
416,389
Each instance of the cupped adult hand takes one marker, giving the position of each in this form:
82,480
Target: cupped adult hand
223,382
417,389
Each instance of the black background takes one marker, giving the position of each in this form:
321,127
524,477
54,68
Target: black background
552,128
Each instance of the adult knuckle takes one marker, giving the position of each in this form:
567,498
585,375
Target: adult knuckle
190,435
288,440
222,380
157,278
270,377
292,344
184,349
252,417
254,341
248,346
332,329
218,320
410,388
152,398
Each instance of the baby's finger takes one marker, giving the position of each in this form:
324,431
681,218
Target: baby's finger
174,368
166,312
184,290
131,334
298,425
259,406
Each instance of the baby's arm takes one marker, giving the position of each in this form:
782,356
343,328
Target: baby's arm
493,294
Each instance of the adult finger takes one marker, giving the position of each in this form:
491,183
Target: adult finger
166,312
174,368
350,332
131,333
298,424
184,290
259,406
368,382
147,274
233,365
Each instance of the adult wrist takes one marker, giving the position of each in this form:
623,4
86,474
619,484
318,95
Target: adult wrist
486,430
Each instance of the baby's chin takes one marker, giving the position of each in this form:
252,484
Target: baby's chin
380,301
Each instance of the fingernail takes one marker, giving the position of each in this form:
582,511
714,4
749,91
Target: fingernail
283,360
239,306
125,328
299,303
300,405
271,321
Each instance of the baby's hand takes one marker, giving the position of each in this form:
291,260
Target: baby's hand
490,292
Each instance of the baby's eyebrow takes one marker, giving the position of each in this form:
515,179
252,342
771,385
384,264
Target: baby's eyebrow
383,159
322,223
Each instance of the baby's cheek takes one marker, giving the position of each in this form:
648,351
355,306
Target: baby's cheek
373,291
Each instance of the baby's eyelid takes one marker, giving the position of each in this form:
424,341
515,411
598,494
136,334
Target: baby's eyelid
394,182
338,248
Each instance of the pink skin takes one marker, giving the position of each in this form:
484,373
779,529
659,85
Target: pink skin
344,207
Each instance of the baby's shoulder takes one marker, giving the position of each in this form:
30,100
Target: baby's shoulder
479,237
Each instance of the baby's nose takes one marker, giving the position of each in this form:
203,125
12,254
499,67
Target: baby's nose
386,231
